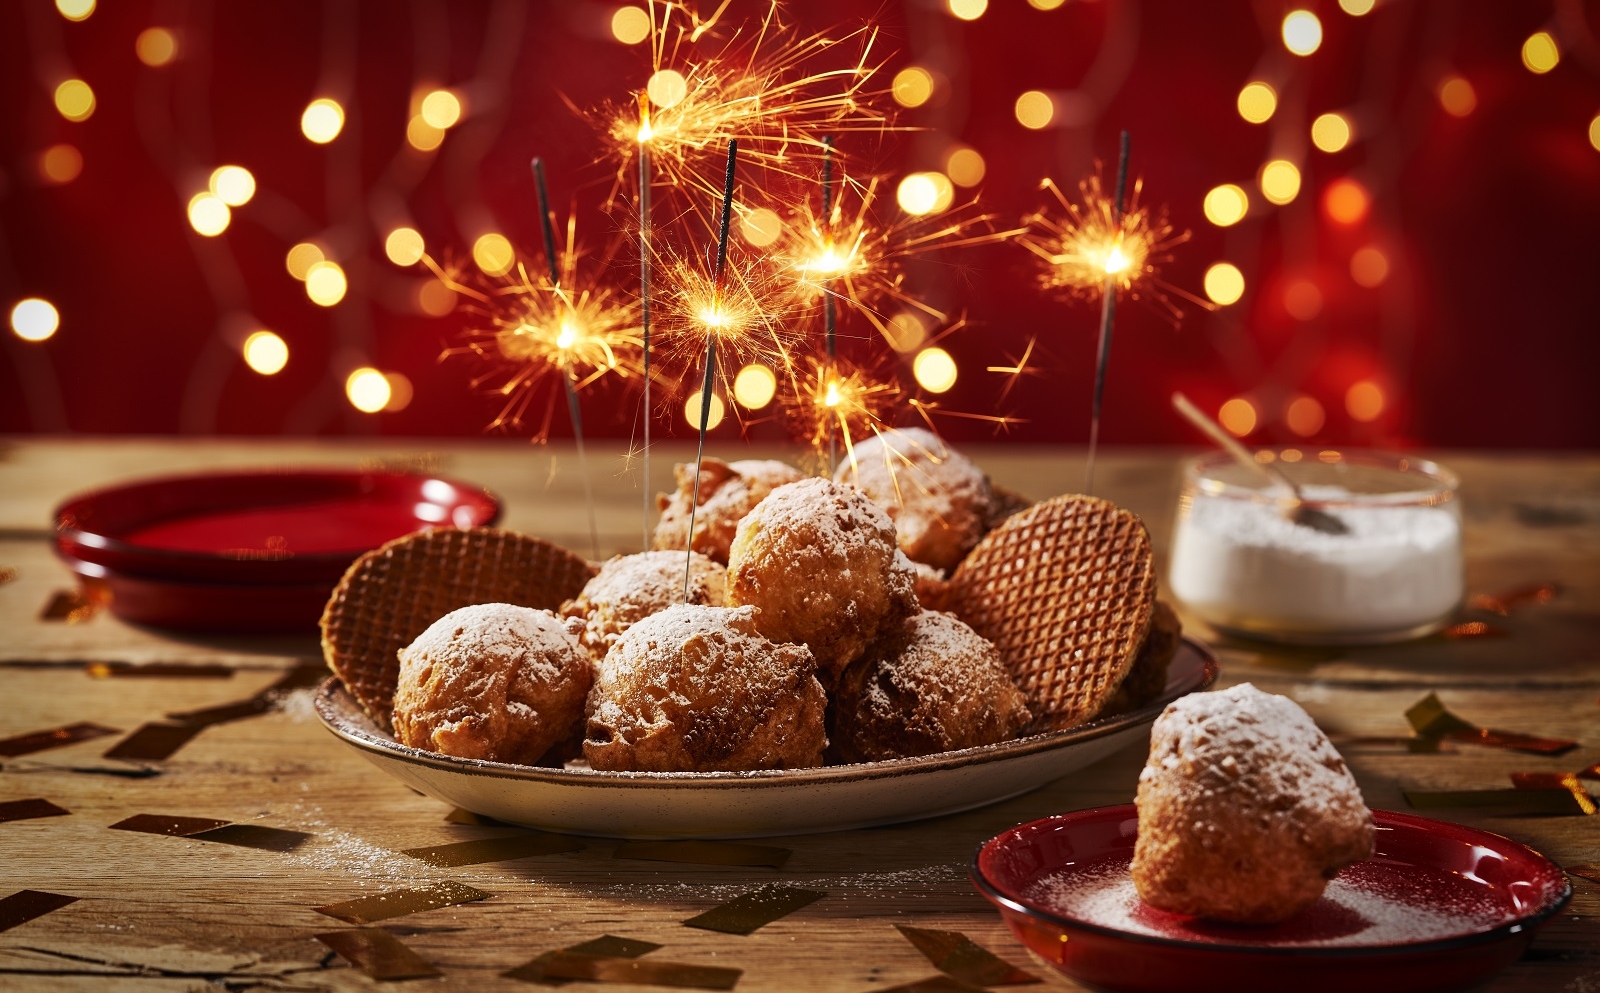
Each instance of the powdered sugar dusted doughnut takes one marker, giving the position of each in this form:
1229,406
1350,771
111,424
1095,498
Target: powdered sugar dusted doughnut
728,491
939,500
819,559
934,686
1245,809
491,681
699,689
630,588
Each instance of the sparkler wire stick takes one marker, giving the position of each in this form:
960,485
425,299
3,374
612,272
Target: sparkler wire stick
644,317
1108,313
829,316
711,354
573,409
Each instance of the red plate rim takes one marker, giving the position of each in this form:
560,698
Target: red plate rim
93,539
1382,818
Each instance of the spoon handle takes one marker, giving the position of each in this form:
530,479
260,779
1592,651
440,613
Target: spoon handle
1231,445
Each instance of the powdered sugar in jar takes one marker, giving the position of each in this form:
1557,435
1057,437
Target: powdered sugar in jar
1245,568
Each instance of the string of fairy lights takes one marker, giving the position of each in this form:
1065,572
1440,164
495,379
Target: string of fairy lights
930,204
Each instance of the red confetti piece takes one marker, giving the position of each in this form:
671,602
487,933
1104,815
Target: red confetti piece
1504,603
1556,781
1474,629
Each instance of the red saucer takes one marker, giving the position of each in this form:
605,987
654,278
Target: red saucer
1438,907
248,551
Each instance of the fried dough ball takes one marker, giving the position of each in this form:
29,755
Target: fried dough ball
492,681
698,689
1245,809
630,588
728,491
820,561
939,500
1148,677
934,686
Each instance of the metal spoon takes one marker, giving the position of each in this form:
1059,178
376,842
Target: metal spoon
1290,502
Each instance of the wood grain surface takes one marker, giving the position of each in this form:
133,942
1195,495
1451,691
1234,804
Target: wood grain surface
160,913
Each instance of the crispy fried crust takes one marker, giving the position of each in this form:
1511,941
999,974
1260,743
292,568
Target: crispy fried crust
728,491
939,500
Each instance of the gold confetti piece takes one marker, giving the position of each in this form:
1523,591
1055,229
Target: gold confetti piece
377,953
27,810
605,946
958,956
1432,720
938,984
704,853
154,742
72,606
398,903
1504,603
260,836
38,741
1474,629
1510,803
1568,781
644,972
24,905
754,910
157,670
1588,870
516,846
169,824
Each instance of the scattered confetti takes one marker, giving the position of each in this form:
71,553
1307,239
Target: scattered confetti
398,903
645,972
259,836
377,953
516,846
959,957
27,810
1504,603
38,741
605,946
1509,803
1568,781
1474,629
754,910
704,853
71,606
168,824
157,670
24,905
1431,719
154,742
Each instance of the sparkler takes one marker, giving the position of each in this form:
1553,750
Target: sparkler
836,399
644,307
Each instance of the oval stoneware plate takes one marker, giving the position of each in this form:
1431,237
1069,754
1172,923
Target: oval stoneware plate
756,804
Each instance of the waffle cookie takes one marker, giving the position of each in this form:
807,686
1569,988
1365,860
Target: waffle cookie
391,594
1066,591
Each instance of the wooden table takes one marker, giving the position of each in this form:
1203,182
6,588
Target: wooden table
165,913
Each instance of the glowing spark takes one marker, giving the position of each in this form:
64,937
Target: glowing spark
837,401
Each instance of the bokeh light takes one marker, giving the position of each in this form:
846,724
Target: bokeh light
34,319
667,88
1238,416
1457,96
60,164
965,167
233,185
156,47
322,120
630,25
493,253
1304,416
404,246
1224,283
968,10
301,258
906,331
1331,132
1258,102
691,411
1594,132
1364,401
755,386
400,392
75,100
1045,4
441,109
760,227
1357,8
1280,181
1369,266
924,193
912,87
1346,201
265,353
208,215
1226,205
934,369
1035,109
1540,53
326,283
1302,299
367,389
75,10
422,136
1302,32
435,299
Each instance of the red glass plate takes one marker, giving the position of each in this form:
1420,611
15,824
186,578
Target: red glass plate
281,528
1438,907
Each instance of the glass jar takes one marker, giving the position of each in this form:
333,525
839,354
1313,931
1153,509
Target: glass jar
1245,568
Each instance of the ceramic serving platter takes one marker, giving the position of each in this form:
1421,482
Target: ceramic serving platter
755,804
